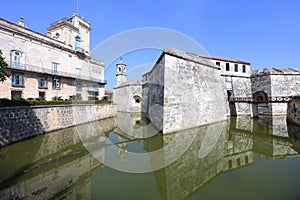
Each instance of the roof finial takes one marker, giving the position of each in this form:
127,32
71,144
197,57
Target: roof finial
22,22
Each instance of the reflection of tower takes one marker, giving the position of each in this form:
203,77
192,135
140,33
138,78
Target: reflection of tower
122,148
121,73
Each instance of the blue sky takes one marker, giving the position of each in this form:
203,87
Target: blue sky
263,32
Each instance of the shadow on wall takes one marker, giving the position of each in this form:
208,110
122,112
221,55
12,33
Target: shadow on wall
232,109
19,124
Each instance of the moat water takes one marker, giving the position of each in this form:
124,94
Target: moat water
241,158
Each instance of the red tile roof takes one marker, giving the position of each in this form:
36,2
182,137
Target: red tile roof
108,92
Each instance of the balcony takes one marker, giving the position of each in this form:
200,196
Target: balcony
17,65
80,51
102,82
43,70
93,89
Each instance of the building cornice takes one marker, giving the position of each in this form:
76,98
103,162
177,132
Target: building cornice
32,35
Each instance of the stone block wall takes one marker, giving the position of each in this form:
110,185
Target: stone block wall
293,111
284,85
145,93
19,123
276,83
194,92
124,97
153,102
238,87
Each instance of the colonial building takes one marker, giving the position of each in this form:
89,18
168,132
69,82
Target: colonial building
57,64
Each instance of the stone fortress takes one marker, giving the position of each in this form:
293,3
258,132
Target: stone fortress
181,91
55,64
185,90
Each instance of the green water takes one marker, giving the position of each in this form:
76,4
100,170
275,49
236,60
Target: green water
240,158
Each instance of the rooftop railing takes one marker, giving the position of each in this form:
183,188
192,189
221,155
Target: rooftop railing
59,21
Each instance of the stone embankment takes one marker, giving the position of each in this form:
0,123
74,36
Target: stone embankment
19,123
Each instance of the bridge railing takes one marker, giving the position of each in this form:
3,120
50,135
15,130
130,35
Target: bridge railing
275,99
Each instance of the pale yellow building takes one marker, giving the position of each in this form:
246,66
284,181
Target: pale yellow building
55,64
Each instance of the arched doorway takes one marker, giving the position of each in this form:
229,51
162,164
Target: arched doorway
260,99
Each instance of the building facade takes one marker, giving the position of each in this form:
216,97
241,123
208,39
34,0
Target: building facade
275,83
49,66
185,90
236,76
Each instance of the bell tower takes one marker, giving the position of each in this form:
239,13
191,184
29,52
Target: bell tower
121,73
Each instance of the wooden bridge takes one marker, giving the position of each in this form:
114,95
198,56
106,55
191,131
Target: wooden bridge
276,99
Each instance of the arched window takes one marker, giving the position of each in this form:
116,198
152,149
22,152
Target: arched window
17,59
137,99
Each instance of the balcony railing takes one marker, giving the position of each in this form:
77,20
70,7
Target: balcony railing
79,50
42,70
93,89
17,65
102,82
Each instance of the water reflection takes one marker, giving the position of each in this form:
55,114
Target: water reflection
57,165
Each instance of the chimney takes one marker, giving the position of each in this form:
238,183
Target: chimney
22,22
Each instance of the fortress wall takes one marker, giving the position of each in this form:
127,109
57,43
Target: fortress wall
124,97
153,89
293,111
194,93
284,85
20,123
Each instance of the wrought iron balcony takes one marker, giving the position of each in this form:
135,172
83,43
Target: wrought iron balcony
102,82
93,89
17,65
43,70
79,50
